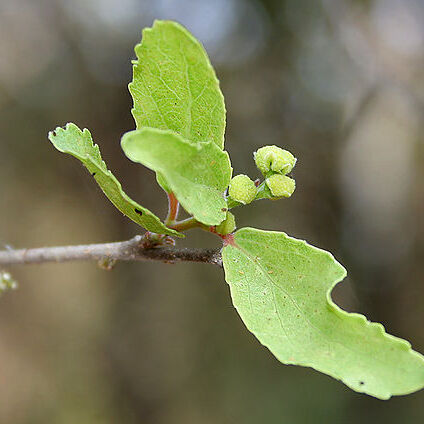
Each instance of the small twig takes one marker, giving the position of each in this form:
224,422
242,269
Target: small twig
130,250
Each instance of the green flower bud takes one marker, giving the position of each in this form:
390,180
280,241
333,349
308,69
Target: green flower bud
273,158
227,226
242,189
280,185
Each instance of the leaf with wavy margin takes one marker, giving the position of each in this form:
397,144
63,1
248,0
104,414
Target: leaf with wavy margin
281,288
80,144
174,85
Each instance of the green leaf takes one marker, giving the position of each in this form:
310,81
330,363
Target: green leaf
281,288
197,173
79,144
175,87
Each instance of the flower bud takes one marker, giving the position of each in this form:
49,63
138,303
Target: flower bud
273,158
280,185
227,226
242,189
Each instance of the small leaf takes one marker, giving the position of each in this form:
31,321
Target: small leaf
197,173
281,288
175,87
79,144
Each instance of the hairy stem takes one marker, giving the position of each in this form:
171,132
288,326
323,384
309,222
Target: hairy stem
187,224
173,208
130,250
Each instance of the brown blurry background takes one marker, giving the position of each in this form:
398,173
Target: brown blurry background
339,83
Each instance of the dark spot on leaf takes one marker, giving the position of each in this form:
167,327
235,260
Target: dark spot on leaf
93,174
138,211
224,209
54,133
361,383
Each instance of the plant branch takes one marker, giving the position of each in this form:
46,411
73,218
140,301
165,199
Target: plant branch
130,250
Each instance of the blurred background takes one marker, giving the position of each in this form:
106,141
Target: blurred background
339,83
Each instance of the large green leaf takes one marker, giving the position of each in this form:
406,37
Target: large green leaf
79,144
281,288
197,173
175,87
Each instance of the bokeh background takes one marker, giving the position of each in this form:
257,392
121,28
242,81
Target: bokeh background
340,83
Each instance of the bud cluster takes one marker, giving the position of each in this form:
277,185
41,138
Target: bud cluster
275,163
